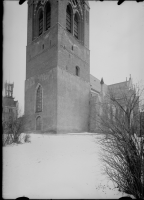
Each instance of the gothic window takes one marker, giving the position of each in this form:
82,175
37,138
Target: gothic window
76,26
39,99
69,18
48,16
77,71
40,22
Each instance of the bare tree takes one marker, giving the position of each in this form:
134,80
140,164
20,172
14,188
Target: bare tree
12,129
123,139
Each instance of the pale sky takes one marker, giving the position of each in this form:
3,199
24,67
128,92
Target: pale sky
116,43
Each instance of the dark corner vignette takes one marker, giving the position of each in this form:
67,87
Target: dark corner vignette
119,1
22,198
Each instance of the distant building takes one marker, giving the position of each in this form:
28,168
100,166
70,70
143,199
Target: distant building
10,106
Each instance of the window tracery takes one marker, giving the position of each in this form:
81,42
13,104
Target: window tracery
48,16
76,26
40,22
69,18
39,99
74,18
42,17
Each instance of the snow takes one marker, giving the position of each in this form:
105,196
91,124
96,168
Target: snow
56,166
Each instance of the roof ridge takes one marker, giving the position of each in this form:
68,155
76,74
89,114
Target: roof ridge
118,83
94,77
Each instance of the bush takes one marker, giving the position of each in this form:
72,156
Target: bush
122,149
12,130
27,138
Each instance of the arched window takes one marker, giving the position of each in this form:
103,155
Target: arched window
77,71
39,99
76,26
47,16
40,23
38,123
69,18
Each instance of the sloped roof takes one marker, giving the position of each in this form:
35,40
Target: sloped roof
122,85
118,85
96,85
119,88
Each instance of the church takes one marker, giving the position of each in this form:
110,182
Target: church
60,93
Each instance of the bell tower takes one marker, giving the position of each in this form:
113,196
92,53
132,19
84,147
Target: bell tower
57,66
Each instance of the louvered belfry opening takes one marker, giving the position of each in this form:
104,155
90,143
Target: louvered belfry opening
68,19
40,22
76,24
39,99
48,16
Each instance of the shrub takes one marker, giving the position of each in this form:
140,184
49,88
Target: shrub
27,138
12,130
122,149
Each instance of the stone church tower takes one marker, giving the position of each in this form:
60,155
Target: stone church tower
57,85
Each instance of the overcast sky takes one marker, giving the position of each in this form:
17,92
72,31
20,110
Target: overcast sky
116,43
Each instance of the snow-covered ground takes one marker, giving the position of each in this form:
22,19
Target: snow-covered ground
56,166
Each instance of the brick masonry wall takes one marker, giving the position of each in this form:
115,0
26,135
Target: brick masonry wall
94,112
51,62
48,82
72,53
42,53
65,102
73,103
